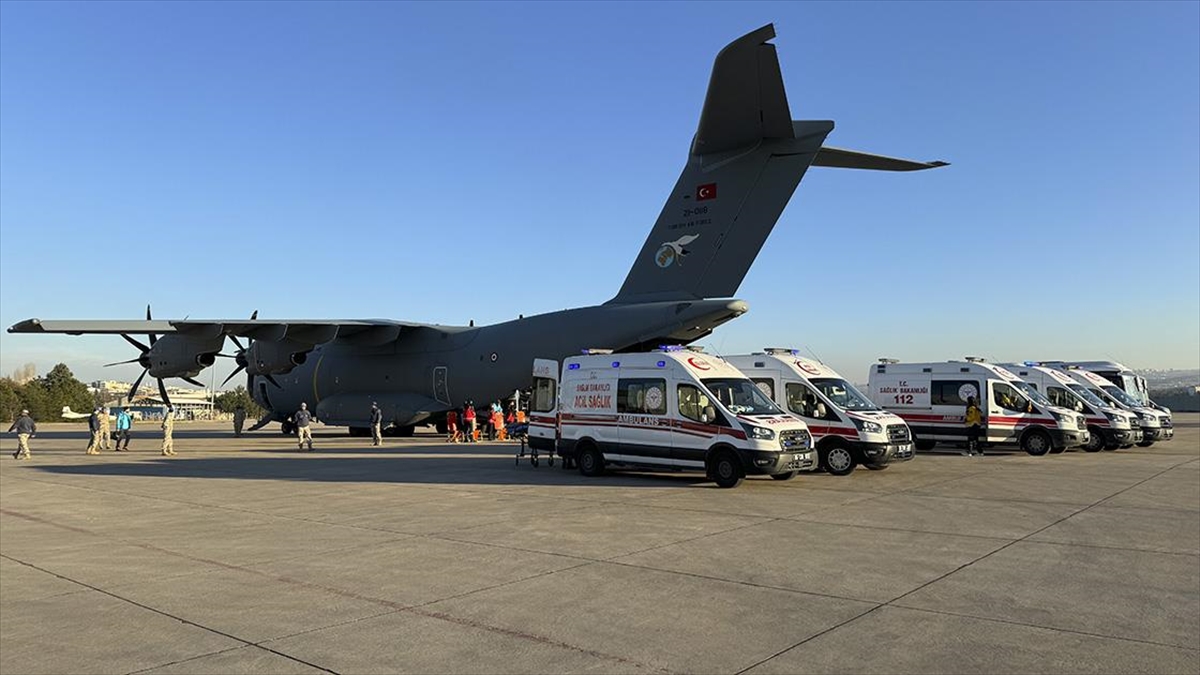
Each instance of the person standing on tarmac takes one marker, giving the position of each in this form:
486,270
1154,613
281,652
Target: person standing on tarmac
124,426
376,425
469,421
105,429
239,419
974,421
26,428
168,428
93,447
302,418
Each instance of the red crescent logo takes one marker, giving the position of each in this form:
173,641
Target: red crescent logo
698,363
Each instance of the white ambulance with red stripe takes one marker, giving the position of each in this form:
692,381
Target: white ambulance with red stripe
932,399
674,409
847,428
1108,428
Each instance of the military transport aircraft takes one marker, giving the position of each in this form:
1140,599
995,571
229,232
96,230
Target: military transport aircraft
745,161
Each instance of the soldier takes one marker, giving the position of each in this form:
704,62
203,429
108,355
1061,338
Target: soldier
376,425
239,419
168,428
124,425
26,428
93,447
105,429
301,419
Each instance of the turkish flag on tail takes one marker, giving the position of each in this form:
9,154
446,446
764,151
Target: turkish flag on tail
708,191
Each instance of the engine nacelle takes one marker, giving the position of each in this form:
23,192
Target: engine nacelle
176,355
275,357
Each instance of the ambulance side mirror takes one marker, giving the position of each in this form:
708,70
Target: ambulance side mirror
1078,406
708,415
821,410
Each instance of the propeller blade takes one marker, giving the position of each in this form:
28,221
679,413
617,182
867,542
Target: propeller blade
262,422
191,381
225,356
254,316
235,341
151,335
272,380
123,362
239,369
162,391
135,343
137,383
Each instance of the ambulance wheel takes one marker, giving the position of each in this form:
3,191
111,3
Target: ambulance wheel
786,475
877,467
1058,451
923,446
591,462
1095,441
838,460
1036,442
725,469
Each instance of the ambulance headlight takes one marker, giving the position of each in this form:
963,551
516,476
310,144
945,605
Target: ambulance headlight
759,433
1065,417
868,426
1148,418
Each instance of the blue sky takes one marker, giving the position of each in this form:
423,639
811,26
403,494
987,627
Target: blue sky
458,161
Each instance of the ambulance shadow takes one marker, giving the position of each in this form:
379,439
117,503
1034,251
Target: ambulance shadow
431,469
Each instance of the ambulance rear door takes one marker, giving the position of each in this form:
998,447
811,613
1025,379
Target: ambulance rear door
543,405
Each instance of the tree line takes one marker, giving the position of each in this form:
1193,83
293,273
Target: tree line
44,397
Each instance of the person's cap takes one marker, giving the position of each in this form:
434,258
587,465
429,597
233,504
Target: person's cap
303,405
24,412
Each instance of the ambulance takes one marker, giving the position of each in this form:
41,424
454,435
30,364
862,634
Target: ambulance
847,428
1156,424
932,399
673,408
1109,427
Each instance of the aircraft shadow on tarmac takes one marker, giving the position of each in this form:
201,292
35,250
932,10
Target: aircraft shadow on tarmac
498,470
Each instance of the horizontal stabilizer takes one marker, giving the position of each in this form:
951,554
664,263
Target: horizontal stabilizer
852,159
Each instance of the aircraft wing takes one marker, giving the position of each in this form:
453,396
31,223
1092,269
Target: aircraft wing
374,331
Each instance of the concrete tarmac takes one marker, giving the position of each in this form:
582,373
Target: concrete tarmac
246,556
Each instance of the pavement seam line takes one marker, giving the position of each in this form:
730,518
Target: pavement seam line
1042,627
190,658
161,612
953,571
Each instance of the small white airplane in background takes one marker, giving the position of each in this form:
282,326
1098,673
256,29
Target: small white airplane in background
69,414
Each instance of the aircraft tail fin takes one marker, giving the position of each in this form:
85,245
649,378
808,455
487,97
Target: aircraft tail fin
746,159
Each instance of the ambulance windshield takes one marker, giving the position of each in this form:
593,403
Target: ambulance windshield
1122,396
741,396
1089,394
1032,393
843,394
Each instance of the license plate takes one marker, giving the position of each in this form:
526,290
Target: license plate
904,449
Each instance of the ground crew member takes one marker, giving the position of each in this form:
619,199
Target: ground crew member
26,428
452,426
105,429
93,447
469,421
376,425
301,418
124,425
974,421
168,428
239,419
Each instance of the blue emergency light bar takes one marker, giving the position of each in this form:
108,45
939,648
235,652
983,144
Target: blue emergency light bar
670,348
662,364
1031,364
